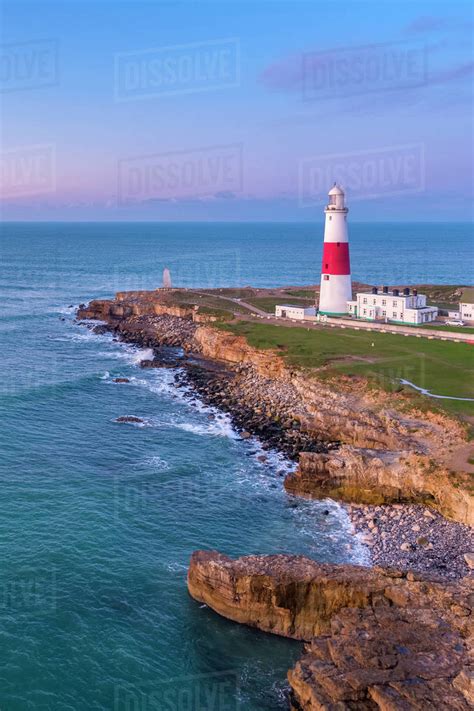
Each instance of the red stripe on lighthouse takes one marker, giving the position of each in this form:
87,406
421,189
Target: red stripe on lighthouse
336,258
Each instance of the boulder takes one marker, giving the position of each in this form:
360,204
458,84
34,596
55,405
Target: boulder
377,638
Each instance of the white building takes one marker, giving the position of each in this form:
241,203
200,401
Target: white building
296,312
466,306
398,306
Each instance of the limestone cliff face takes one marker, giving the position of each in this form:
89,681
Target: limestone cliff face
99,309
288,595
221,345
373,476
379,639
297,597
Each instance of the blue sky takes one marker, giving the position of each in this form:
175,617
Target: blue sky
235,110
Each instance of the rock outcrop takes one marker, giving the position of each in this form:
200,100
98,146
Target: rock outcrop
377,639
362,475
389,659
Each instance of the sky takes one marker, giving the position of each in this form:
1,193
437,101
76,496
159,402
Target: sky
235,111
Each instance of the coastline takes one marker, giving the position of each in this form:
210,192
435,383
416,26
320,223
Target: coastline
270,409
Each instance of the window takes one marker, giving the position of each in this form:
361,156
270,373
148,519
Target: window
364,301
375,301
384,313
394,314
394,303
384,302
330,217
364,312
326,277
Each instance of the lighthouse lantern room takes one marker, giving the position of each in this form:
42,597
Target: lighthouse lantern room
336,286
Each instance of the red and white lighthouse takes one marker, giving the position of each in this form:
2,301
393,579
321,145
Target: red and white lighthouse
336,285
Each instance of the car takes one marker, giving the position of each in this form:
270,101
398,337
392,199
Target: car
454,322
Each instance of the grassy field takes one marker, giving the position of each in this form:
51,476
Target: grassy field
442,367
304,293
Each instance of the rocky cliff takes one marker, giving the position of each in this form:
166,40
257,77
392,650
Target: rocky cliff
377,638
362,475
385,455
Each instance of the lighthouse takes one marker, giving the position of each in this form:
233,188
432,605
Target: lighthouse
336,286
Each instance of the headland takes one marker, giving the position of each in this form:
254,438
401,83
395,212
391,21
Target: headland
334,402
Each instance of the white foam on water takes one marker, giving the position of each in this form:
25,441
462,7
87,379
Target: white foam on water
105,376
176,567
263,476
156,462
130,354
220,427
66,310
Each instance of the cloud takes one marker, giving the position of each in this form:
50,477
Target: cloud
285,74
428,23
445,76
288,73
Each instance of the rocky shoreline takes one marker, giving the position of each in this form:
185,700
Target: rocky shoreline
397,635
410,536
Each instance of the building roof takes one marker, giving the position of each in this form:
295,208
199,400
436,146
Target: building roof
336,190
390,294
467,296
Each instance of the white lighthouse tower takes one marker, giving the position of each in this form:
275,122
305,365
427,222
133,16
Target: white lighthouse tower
336,286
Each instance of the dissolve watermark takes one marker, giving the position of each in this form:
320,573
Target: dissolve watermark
203,172
27,171
202,269
204,692
177,69
373,173
29,65
133,498
358,70
29,590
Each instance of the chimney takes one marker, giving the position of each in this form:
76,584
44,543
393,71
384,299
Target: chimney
415,292
406,291
395,292
385,289
374,290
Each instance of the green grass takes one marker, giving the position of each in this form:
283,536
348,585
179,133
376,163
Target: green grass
443,367
304,293
268,303
218,313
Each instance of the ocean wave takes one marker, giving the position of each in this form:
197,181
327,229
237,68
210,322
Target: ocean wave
220,427
155,461
131,354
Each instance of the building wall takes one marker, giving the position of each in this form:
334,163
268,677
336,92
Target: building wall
411,309
297,312
467,311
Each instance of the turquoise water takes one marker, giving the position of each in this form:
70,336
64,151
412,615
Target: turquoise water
97,519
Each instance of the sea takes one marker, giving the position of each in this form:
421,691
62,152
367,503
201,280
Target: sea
98,520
